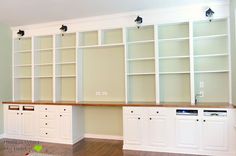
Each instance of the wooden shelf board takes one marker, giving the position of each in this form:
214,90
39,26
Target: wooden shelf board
122,104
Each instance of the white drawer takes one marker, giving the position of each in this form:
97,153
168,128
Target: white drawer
47,133
47,115
157,111
47,108
132,110
65,109
47,123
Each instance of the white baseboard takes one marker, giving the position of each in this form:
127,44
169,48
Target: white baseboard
98,136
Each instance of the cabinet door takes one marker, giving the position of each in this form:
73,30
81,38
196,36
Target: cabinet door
13,122
215,134
29,122
132,129
157,131
187,132
65,126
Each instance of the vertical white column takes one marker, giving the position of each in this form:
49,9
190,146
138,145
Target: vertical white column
54,69
13,69
79,70
124,33
191,56
156,55
229,61
100,37
32,66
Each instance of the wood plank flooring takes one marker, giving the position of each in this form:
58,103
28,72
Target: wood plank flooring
86,147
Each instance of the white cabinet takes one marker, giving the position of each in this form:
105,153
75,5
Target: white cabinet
157,130
179,130
58,124
65,125
215,134
20,121
145,126
187,132
133,130
12,124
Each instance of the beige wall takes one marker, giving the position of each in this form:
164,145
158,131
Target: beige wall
103,120
233,48
103,70
5,68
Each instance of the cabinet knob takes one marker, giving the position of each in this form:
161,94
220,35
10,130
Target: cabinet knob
17,113
60,115
46,133
46,115
197,120
132,111
157,112
204,120
46,123
46,108
64,109
150,118
21,113
139,118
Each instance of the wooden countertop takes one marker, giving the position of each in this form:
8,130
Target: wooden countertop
121,104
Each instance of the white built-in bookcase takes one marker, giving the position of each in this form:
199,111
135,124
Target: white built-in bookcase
174,62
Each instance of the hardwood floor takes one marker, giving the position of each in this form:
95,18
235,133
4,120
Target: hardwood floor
86,147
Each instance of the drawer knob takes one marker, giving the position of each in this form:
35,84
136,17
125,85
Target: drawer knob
150,118
157,112
46,108
197,120
46,115
204,120
46,123
132,111
60,115
17,113
46,133
139,118
21,113
64,109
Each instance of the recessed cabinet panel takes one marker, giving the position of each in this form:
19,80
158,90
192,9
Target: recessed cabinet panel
216,87
88,38
23,58
23,71
141,66
217,45
112,36
44,71
23,89
175,88
141,50
43,57
66,69
43,42
141,34
180,30
44,89
211,64
23,44
206,28
65,55
66,40
174,65
66,88
173,48
141,88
